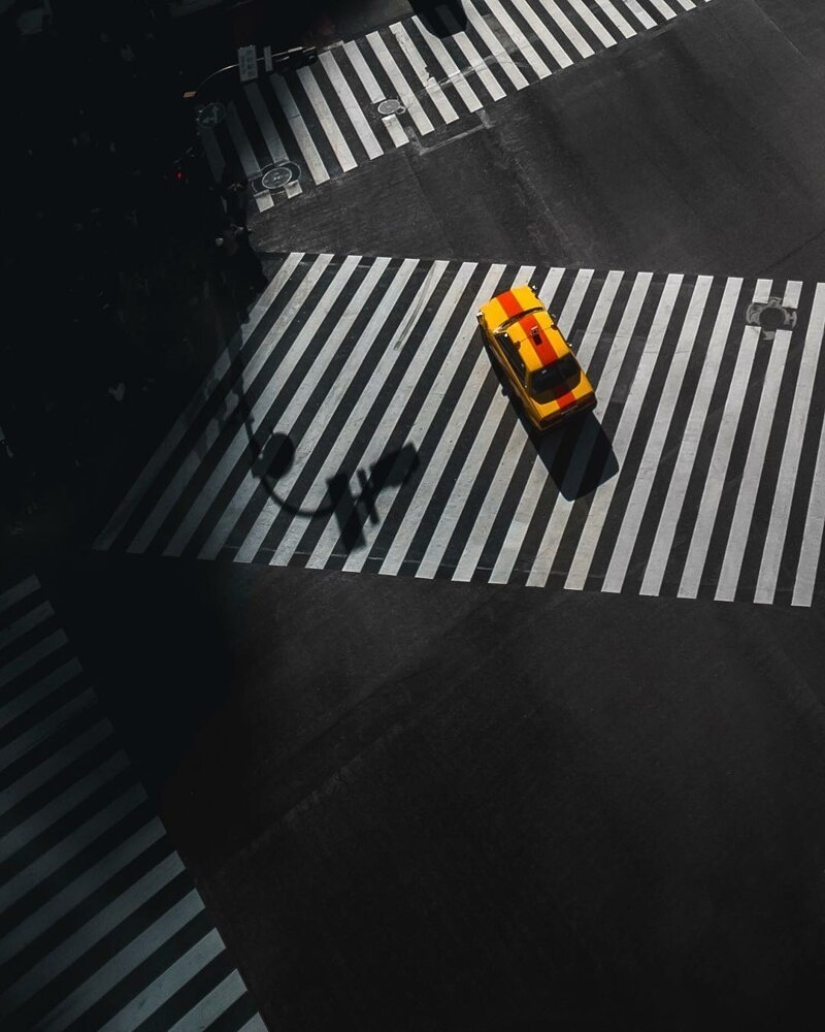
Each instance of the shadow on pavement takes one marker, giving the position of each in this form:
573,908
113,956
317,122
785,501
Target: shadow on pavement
441,18
273,455
578,455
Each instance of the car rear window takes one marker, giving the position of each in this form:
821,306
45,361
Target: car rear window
556,378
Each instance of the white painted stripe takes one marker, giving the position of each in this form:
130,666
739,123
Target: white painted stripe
303,137
239,447
574,475
543,33
90,933
250,368
592,22
809,554
473,461
62,852
620,441
751,474
298,402
450,68
121,965
537,480
25,623
11,596
31,657
419,67
687,5
201,398
326,119
273,141
433,340
520,41
27,740
496,490
476,61
210,1008
616,18
718,468
783,496
402,87
762,291
637,10
664,9
255,1024
175,977
19,704
370,392
793,292
351,105
16,792
241,142
375,93
25,831
77,891
691,437
434,469
649,465
567,27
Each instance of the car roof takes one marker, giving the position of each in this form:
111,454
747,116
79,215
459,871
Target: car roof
529,326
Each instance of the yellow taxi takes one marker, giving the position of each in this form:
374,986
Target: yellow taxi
536,359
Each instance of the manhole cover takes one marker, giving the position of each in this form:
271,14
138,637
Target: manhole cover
211,115
390,107
770,316
276,178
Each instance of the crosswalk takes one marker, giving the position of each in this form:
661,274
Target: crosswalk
366,97
101,927
356,424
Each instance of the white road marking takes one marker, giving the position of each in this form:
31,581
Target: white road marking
351,106
621,439
783,496
419,66
402,87
448,65
718,467
326,120
303,137
749,485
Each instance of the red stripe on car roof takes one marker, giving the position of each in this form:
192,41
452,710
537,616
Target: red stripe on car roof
510,303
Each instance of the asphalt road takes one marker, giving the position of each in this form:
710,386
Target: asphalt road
427,805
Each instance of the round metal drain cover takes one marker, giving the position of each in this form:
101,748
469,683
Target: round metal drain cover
390,107
770,316
211,115
276,178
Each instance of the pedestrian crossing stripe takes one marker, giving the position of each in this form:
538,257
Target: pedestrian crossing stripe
700,473
101,927
325,118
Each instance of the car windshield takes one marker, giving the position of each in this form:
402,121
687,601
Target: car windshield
556,378
517,316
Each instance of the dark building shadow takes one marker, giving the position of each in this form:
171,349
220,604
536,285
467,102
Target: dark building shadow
578,454
441,17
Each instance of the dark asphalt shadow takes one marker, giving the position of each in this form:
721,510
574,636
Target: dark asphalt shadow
441,19
157,639
578,454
